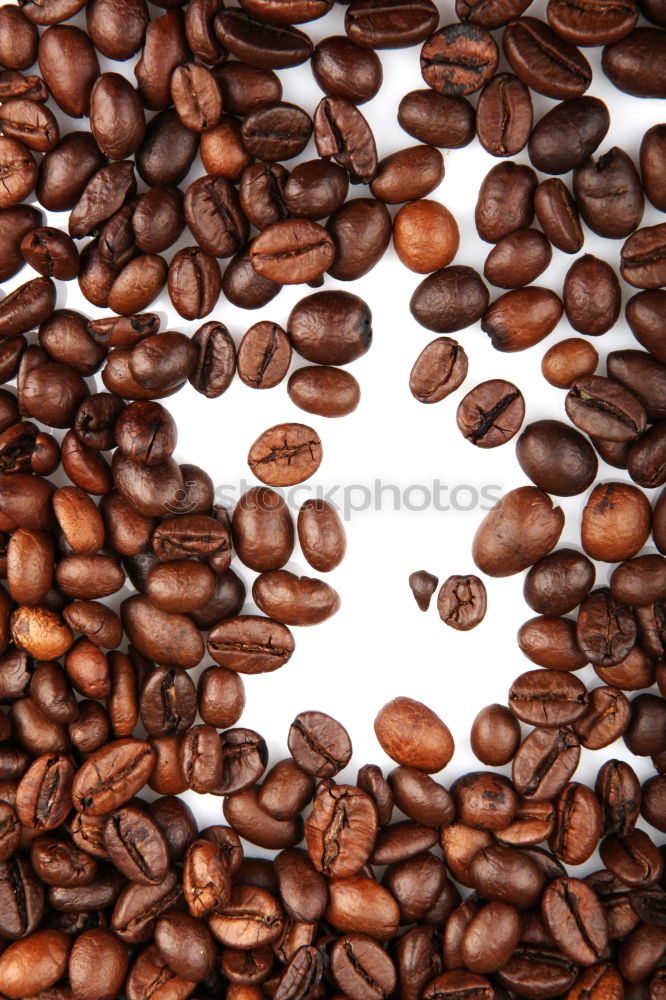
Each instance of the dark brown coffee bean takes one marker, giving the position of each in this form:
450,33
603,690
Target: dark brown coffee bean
459,59
321,535
19,172
437,119
495,735
439,370
14,84
111,776
606,630
544,61
117,118
450,299
250,644
507,875
136,845
32,124
504,115
243,812
641,262
551,642
407,175
194,282
186,944
604,408
556,458
652,159
491,414
286,791
315,189
344,69
559,582
320,746
490,14
618,791
104,194
117,30
522,317
44,794
263,530
518,259
591,295
277,131
507,542
326,391
214,215
575,918
361,231
568,134
505,201
15,224
165,47
163,637
52,253
376,26
69,65
216,364
167,152
557,215
196,95
625,62
285,455
342,132
633,858
262,194
264,46
545,762
314,317
609,194
292,252
643,375
588,25
554,698
264,356
294,600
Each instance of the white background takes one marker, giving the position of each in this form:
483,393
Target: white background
380,645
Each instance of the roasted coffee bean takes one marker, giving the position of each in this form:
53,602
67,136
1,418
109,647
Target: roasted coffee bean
591,295
261,45
518,259
341,131
507,875
461,602
262,194
632,858
294,600
558,582
34,964
437,119
590,26
167,151
321,535
643,375
422,585
327,391
69,65
263,530
551,642
117,31
361,231
103,195
557,215
315,189
504,115
568,360
643,736
439,370
556,458
522,317
15,224
30,123
285,455
51,252
44,794
484,800
459,59
250,644
606,630
491,414
639,581
19,172
194,282
15,84
609,195
545,762
292,252
450,299
604,408
615,523
652,158
264,356
425,236
490,15
242,810
568,134
605,720
575,918
495,735
373,26
111,776
216,364
411,734
286,790
116,116
214,215
505,201
555,698
625,62
136,845
165,47
222,150
344,69
408,174
618,791
544,61
521,529
641,262
277,131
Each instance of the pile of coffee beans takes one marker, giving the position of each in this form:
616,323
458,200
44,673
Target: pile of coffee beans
105,895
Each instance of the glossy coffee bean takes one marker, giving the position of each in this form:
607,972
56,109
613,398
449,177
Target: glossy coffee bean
568,134
545,61
556,458
626,63
491,414
344,69
506,542
459,59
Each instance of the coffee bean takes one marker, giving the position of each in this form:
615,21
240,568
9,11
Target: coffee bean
35,963
558,582
491,414
606,630
575,918
264,356
344,69
604,408
285,792
341,131
117,118
568,134
361,967
586,25
545,61
315,189
495,735
568,360
437,119
361,232
19,172
505,201
439,370
556,458
551,642
321,535
243,812
642,255
521,529
461,602
327,391
517,259
69,65
194,282
292,252
635,63
263,46
214,215
609,194
504,115
374,26
459,59
652,159
494,14
250,644
425,236
643,313
276,131
557,215
449,299
423,586
522,317
117,32
294,600
411,734
52,253
632,858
